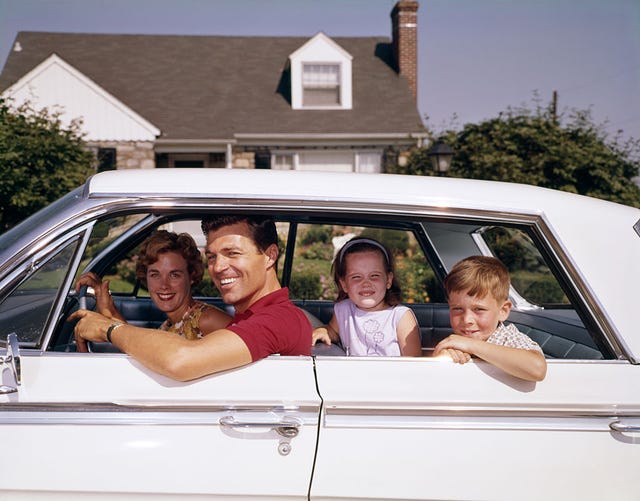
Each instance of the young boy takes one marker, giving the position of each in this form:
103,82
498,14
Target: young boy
478,292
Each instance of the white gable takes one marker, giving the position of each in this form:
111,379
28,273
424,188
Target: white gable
323,50
58,86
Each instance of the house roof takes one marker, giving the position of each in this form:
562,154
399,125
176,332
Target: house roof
215,87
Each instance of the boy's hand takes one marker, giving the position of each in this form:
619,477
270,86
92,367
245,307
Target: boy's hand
459,357
458,348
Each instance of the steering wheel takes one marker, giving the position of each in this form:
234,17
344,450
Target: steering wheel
82,297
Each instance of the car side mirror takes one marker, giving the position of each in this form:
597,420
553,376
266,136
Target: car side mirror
12,359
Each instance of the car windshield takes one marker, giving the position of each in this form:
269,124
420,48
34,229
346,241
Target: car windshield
39,219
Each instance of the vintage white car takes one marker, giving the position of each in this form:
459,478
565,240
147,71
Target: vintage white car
99,425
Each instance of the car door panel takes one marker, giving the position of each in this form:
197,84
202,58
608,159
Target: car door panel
122,429
430,429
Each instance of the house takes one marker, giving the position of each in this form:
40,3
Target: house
145,101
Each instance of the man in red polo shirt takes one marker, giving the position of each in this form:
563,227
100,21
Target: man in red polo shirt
242,253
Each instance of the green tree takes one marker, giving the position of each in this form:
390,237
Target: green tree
565,152
40,161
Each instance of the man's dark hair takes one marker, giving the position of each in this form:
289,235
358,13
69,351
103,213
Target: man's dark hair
262,229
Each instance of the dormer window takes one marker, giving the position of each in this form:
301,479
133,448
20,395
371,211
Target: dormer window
320,84
321,75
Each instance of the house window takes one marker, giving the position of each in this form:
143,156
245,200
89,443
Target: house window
282,162
329,161
369,162
188,161
106,159
320,84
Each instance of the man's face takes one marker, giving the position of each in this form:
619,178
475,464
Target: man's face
236,265
474,316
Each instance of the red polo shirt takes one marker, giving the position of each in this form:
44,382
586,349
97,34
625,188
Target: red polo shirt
273,324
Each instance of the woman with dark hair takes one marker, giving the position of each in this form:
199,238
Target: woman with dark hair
169,264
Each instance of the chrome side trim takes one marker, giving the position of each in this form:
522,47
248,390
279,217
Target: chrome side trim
115,414
464,418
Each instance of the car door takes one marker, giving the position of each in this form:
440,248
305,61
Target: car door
85,425
90,425
431,429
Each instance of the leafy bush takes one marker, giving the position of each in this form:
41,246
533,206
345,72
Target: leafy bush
316,234
40,161
396,241
318,250
305,285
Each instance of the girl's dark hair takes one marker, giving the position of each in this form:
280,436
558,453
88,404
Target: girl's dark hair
393,295
161,241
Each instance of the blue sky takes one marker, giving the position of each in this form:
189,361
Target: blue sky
475,57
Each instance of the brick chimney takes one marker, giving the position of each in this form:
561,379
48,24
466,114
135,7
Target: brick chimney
404,23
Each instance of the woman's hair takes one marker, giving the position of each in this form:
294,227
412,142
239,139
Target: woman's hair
161,241
480,275
393,295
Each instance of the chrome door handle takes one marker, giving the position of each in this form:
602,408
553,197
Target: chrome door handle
288,426
620,427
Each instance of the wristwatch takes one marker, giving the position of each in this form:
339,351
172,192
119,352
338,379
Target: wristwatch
112,328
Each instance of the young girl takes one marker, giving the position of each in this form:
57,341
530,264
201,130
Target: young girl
368,317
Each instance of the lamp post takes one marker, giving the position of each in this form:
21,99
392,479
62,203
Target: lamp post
441,155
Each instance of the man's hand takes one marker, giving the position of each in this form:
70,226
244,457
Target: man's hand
91,326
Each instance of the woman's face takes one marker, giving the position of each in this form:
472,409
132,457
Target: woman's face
169,284
366,280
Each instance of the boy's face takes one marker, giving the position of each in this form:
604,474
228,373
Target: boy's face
474,316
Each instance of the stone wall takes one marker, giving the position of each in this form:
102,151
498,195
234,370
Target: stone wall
243,159
135,155
131,154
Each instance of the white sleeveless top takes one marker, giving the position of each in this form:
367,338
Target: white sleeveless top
368,333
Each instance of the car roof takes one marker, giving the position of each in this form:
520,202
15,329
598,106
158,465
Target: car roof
385,188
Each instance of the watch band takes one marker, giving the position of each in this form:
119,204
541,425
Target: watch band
112,328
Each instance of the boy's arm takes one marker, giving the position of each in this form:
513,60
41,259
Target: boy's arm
529,365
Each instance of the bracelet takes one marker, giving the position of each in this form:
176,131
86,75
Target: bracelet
112,328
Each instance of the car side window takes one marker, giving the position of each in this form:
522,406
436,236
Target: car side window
26,309
122,272
317,245
530,274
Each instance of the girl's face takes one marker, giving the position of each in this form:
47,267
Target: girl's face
366,280
474,316
169,284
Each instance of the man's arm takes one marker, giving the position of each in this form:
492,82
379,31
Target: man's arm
529,365
163,352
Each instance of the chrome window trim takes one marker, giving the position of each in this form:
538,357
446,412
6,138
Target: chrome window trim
161,203
82,233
